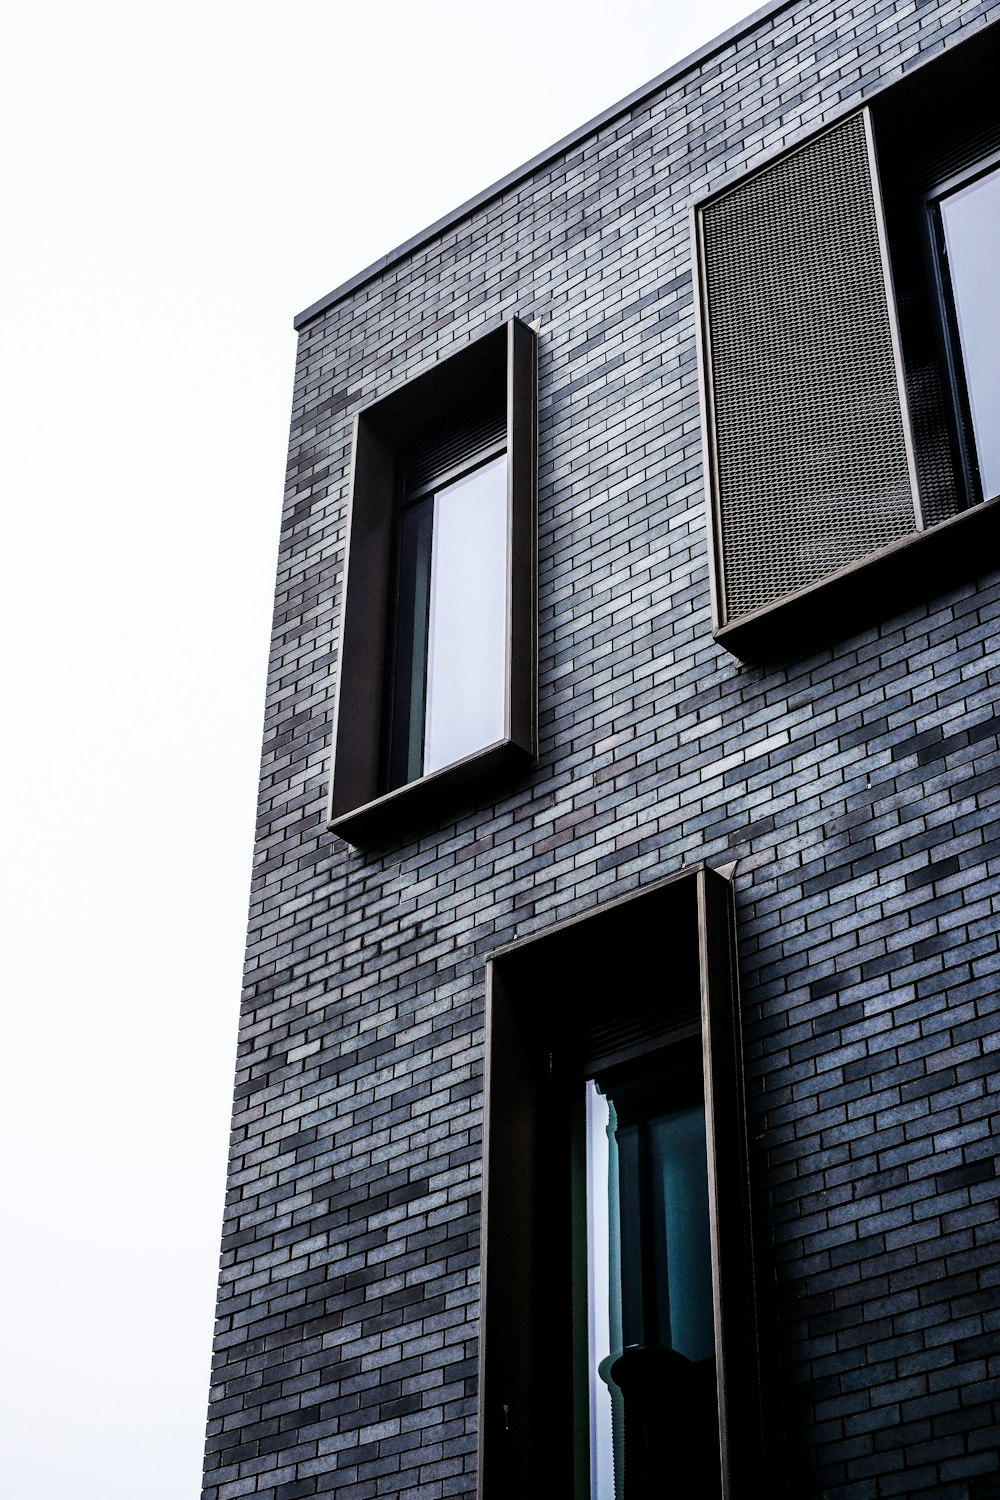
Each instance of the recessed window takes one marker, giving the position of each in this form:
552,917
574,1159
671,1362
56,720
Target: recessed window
969,244
617,1335
436,675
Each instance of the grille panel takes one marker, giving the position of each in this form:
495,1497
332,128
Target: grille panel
811,465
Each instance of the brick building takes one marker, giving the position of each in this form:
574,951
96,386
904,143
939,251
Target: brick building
621,1028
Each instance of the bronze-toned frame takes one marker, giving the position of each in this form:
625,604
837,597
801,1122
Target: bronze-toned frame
927,114
559,1006
359,810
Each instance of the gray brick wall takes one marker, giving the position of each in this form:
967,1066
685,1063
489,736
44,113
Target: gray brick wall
856,788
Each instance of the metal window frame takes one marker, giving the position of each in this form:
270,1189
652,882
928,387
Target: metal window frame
925,564
542,996
358,808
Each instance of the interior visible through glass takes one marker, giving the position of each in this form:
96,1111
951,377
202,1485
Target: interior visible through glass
971,222
649,1275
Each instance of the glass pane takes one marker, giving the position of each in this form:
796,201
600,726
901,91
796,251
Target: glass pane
971,219
604,1313
649,1256
467,633
680,1196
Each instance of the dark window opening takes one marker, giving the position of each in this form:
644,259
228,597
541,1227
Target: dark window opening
436,677
617,1318
935,132
447,677
650,1315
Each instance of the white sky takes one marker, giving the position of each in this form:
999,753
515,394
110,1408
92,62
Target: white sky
177,182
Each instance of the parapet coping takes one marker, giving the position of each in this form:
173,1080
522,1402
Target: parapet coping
559,148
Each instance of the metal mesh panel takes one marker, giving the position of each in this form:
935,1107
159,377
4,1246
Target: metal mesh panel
811,465
933,125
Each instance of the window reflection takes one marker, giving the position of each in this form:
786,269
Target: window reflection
467,645
448,681
604,1297
651,1339
970,219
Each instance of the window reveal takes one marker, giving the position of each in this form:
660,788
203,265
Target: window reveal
851,378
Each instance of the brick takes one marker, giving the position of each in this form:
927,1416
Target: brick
854,785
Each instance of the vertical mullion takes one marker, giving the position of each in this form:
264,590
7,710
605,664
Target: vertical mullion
408,678
424,524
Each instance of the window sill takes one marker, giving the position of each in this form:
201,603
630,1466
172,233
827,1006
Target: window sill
917,568
421,805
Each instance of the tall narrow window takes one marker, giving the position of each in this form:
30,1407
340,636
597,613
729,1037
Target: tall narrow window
448,680
969,242
617,1337
652,1370
436,689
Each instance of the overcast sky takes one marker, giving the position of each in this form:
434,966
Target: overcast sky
177,182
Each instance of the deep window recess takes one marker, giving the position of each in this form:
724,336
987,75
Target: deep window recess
618,1327
849,361
436,678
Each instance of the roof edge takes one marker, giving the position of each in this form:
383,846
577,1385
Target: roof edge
558,148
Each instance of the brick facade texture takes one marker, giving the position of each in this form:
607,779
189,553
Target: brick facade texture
857,789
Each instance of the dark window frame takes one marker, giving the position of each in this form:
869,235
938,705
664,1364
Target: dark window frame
555,1009
360,809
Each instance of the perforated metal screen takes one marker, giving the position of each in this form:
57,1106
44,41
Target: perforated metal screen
811,467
